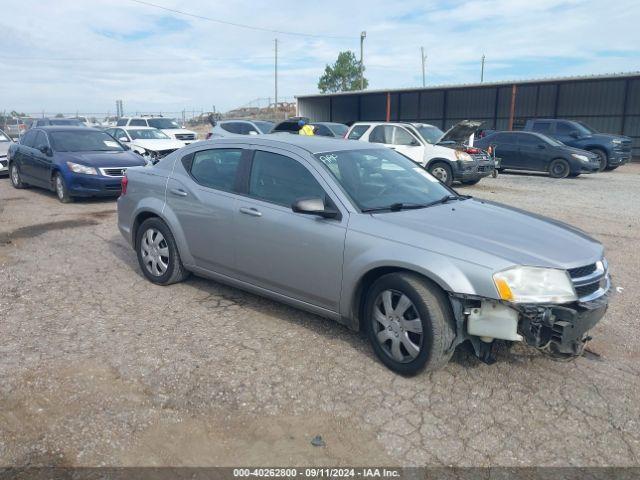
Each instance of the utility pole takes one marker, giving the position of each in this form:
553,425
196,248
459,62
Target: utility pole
363,35
424,59
482,69
275,105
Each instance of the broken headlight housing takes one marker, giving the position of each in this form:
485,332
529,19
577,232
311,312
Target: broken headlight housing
534,285
463,156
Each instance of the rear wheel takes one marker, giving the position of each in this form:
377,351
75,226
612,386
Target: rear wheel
61,189
16,178
602,156
410,323
559,168
158,254
442,172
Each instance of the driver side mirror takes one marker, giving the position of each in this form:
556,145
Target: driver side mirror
123,139
253,132
415,143
46,150
575,134
314,206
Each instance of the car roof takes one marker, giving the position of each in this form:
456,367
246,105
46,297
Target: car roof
312,144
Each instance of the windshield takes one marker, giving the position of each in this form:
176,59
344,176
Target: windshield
150,134
65,122
264,127
166,123
588,128
382,178
338,129
430,133
85,140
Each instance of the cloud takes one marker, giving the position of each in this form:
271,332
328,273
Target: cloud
81,56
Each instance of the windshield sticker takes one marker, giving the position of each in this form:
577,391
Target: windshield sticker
329,159
111,143
425,174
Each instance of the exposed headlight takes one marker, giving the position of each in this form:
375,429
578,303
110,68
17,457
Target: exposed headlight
582,158
463,156
77,168
616,141
534,285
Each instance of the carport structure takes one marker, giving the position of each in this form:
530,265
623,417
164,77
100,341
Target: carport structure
609,103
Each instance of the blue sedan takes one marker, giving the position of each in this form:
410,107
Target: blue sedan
73,162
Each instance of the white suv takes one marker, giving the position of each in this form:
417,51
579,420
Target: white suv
447,157
167,125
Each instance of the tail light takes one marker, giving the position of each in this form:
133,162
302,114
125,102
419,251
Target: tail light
208,136
472,150
124,182
490,150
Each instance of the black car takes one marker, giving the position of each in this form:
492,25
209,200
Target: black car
536,152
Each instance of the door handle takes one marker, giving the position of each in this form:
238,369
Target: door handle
179,192
250,211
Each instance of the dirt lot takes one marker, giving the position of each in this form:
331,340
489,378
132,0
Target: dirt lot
99,367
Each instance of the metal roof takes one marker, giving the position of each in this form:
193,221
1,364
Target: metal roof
607,76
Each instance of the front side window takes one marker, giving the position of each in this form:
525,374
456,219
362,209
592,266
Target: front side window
40,141
281,180
357,131
430,133
265,127
231,127
338,129
376,179
542,127
322,131
216,168
138,122
402,137
83,140
28,139
147,134
381,134
528,140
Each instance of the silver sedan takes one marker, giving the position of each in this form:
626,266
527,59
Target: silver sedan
361,234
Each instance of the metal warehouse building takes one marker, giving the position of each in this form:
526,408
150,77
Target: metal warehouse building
609,103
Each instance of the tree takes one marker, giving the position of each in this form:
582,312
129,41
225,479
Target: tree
59,115
342,76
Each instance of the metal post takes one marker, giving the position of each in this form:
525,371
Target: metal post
275,105
512,111
388,107
482,69
363,35
424,58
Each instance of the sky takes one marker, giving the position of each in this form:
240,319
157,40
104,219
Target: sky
82,55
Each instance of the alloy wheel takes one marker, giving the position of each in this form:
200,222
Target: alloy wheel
15,176
155,252
59,187
397,326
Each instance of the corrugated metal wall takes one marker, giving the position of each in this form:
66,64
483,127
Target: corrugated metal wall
610,105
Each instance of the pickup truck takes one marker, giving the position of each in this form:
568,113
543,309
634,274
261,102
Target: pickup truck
613,150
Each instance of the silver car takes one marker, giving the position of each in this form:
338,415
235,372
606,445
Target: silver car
231,128
5,142
361,234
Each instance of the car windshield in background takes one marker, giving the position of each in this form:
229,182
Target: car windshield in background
165,123
383,179
60,122
588,128
83,141
264,127
430,133
338,129
147,134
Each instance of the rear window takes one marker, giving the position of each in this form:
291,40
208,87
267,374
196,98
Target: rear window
138,122
357,132
68,122
83,140
121,123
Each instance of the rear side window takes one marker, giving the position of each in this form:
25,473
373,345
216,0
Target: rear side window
542,127
565,128
501,138
323,131
357,131
122,122
381,134
281,180
528,140
402,137
138,122
216,168
232,127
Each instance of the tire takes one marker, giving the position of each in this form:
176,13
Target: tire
442,172
16,178
62,192
611,169
604,159
470,182
158,254
418,338
559,168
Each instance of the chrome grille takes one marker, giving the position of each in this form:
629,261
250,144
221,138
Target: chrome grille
590,281
185,136
113,171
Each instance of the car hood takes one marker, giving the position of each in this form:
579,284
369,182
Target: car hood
490,234
461,132
578,151
602,138
104,159
159,144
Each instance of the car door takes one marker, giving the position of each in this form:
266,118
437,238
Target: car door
506,149
533,152
292,254
202,193
42,162
407,144
25,157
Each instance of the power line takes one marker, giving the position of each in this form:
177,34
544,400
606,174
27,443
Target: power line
240,25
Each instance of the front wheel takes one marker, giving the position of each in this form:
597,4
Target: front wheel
602,157
61,189
158,254
559,168
442,172
410,323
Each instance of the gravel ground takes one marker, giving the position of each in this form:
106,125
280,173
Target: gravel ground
100,367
